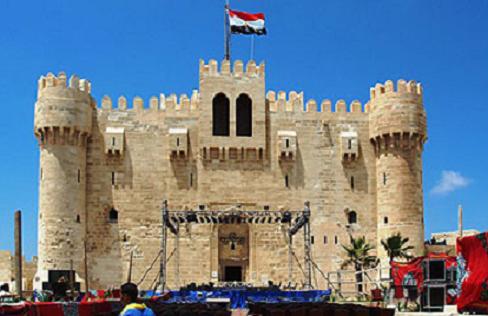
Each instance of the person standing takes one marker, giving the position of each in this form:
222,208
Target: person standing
129,293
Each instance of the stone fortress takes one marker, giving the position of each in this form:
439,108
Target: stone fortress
105,170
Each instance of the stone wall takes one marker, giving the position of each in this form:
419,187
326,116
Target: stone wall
7,272
6,267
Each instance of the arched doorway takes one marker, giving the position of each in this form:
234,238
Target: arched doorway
233,252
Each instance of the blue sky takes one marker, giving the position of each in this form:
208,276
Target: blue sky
328,49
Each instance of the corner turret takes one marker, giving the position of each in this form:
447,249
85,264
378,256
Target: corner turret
62,125
398,132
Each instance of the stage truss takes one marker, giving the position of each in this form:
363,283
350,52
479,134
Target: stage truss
295,219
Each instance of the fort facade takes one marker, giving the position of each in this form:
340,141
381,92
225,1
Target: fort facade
105,170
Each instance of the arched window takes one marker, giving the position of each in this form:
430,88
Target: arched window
220,115
113,216
352,217
244,115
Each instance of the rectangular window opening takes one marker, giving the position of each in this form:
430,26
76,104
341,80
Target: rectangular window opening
325,240
349,144
287,183
336,240
352,183
177,142
384,178
79,176
385,220
312,240
287,143
113,178
113,141
41,174
191,180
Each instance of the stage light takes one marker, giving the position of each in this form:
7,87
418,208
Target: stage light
191,217
286,217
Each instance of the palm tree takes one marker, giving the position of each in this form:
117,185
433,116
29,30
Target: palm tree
358,256
395,246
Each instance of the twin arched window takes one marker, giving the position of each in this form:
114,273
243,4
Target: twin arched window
221,115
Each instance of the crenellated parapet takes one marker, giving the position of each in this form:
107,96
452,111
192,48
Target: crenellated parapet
63,111
410,88
281,102
397,115
61,81
162,102
251,69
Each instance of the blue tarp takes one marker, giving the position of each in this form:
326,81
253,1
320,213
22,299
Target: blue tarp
240,298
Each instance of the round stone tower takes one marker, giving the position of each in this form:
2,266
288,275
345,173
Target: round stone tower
62,124
398,132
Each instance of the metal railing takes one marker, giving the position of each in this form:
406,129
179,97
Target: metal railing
346,282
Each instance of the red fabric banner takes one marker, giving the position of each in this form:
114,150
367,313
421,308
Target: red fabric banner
48,309
473,273
407,274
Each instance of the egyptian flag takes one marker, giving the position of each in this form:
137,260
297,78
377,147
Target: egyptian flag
246,23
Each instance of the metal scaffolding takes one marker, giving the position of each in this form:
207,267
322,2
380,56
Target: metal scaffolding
296,219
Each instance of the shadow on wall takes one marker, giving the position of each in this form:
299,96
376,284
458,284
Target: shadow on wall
356,172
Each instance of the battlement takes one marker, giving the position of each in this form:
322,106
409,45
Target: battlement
212,69
281,102
402,87
163,103
74,82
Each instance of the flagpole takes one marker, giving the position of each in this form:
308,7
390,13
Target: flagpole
226,31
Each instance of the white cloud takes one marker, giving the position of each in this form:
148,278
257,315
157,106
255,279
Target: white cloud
450,181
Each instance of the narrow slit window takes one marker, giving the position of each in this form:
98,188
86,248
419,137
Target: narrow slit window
385,220
287,143
78,220
287,182
191,180
384,178
312,240
349,143
113,141
113,178
325,240
336,240
177,142
41,174
352,183
79,176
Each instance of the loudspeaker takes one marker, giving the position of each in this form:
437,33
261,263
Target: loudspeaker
434,298
413,293
435,270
